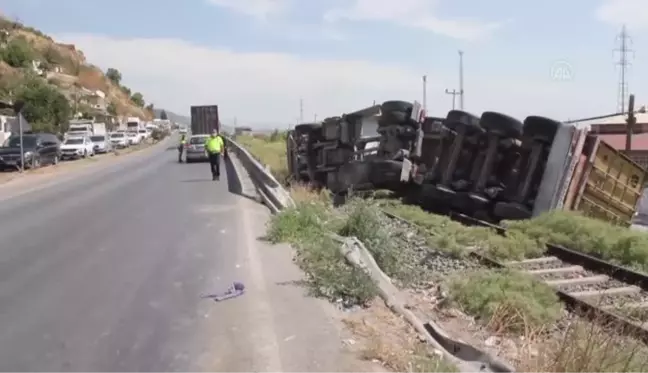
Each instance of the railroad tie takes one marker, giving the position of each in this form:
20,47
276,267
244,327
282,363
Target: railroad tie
578,281
631,305
612,291
555,270
544,259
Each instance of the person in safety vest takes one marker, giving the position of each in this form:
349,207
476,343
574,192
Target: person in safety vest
214,146
181,147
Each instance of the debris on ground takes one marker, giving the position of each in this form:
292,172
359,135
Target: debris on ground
237,289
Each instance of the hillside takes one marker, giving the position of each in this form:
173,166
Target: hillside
37,70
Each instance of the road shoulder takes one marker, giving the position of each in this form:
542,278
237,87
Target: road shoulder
300,333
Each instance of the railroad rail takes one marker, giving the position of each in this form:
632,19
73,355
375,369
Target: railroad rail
599,290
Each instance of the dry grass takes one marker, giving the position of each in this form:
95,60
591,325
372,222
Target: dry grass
586,347
387,339
269,151
304,193
92,79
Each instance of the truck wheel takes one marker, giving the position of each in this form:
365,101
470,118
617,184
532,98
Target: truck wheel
457,118
541,128
306,128
501,124
395,111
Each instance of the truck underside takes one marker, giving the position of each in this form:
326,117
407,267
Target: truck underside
492,167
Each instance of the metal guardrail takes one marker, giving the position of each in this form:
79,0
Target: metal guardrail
274,195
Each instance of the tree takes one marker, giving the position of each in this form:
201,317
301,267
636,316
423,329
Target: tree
18,53
126,90
138,99
163,115
112,109
114,75
150,107
44,106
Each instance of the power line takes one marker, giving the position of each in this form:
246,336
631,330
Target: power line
624,49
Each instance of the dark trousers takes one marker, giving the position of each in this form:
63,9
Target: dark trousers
180,149
214,164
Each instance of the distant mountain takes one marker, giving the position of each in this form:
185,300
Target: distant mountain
173,116
177,118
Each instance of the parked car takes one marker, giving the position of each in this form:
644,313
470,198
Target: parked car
101,144
195,148
39,149
143,134
133,138
77,147
119,140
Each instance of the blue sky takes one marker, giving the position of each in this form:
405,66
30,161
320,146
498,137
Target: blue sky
257,58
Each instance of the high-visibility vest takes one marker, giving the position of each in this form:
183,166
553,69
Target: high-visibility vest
214,144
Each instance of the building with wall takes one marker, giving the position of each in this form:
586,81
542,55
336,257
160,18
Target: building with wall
613,131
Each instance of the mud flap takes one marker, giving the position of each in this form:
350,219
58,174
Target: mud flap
406,170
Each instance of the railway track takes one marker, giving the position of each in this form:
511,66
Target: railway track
599,290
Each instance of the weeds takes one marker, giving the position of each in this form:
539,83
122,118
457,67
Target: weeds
387,244
457,239
487,293
588,235
307,227
586,347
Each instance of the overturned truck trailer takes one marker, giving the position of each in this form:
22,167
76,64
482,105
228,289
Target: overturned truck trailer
492,167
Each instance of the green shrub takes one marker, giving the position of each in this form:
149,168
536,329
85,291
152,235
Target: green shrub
588,235
508,300
306,227
18,53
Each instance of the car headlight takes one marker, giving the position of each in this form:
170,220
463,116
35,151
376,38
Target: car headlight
28,154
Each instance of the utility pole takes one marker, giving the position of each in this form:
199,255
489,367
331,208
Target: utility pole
301,110
631,121
425,93
454,94
315,118
624,63
461,81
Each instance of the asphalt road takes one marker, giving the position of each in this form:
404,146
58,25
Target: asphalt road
105,272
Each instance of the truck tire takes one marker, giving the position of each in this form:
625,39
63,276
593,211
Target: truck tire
457,118
501,124
395,112
541,128
306,128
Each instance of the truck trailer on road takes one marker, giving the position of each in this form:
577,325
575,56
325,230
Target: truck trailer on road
204,119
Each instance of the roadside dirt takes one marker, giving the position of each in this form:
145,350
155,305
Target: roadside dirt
387,342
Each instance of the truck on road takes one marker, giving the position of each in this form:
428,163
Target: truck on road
204,119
